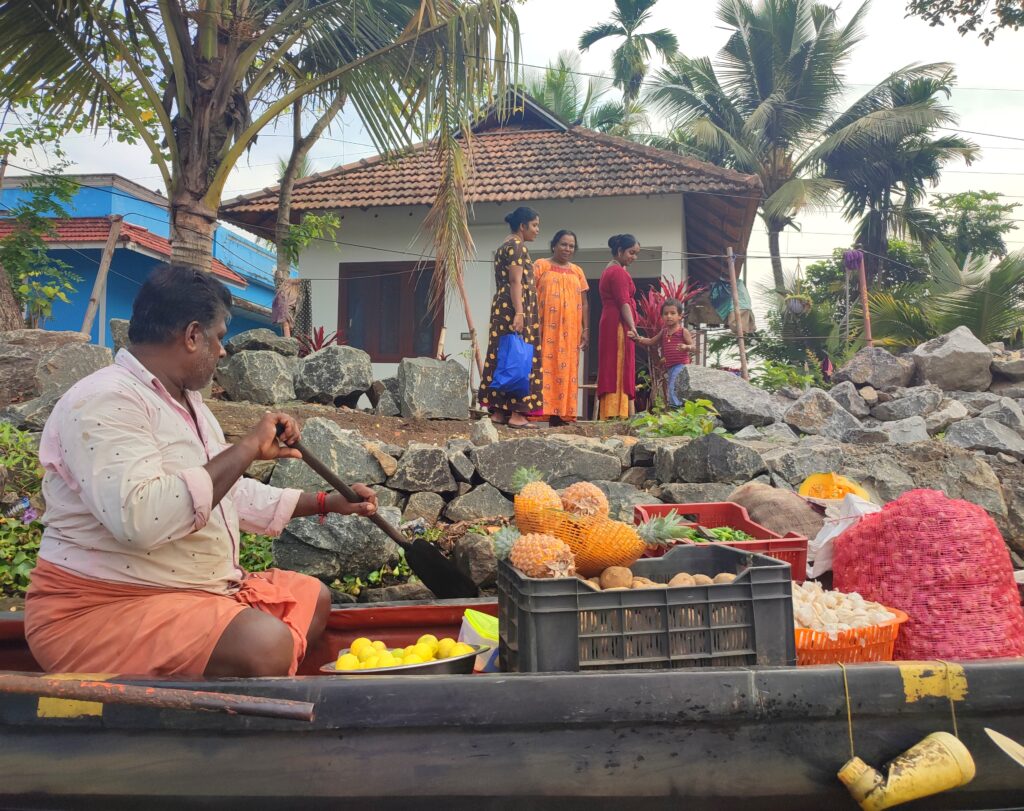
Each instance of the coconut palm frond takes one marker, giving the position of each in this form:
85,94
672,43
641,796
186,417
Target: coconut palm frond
896,322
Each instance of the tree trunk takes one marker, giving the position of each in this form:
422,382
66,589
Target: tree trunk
300,149
192,229
11,316
773,248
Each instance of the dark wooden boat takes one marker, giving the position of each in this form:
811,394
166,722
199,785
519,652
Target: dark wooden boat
736,738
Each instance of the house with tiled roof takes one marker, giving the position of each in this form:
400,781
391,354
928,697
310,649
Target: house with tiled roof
142,243
684,212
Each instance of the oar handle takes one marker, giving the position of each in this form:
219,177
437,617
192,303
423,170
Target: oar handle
332,479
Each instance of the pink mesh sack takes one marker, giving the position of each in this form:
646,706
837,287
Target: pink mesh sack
944,563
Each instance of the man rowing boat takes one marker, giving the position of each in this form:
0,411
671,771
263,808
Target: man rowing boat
138,569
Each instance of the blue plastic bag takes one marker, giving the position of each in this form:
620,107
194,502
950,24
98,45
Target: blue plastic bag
515,361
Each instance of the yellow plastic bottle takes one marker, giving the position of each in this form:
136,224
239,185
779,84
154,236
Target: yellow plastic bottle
938,763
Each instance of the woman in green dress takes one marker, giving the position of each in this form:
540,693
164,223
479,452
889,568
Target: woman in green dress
514,309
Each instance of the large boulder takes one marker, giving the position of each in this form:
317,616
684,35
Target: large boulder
31,415
474,557
622,498
424,506
119,333
1009,366
383,397
981,434
873,366
817,413
956,361
919,401
258,376
342,545
738,402
59,369
262,340
911,429
847,396
483,432
974,401
949,411
713,458
433,389
336,375
1007,412
342,451
1006,388
486,501
462,466
795,463
694,492
557,460
423,467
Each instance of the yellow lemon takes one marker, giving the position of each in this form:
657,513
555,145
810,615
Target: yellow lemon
460,649
369,664
387,660
444,647
398,653
347,662
408,649
359,644
423,650
379,645
428,639
412,659
367,652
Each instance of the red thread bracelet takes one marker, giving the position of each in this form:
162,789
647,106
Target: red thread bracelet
321,505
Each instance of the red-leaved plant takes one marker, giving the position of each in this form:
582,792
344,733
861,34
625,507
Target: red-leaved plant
649,323
315,341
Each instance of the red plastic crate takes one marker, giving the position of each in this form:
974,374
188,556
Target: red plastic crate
791,548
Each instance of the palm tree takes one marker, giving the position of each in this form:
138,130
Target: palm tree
771,105
560,88
631,59
193,76
986,298
883,185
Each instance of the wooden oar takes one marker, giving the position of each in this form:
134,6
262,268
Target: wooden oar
437,572
167,698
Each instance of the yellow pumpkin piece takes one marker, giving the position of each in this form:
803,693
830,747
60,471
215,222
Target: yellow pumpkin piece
831,486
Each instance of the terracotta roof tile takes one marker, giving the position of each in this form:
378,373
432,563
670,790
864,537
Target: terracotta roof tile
510,165
96,229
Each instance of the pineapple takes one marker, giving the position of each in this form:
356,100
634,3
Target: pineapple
537,555
598,543
662,530
533,499
584,498
504,539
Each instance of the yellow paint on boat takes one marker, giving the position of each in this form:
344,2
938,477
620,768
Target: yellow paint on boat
933,680
70,708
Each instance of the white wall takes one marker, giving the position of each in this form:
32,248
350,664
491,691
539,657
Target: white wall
390,235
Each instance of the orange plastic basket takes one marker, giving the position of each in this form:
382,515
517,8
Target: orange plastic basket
872,644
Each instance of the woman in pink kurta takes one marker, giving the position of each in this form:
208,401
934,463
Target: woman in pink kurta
616,355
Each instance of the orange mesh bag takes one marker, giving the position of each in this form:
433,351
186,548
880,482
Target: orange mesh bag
534,515
944,563
597,542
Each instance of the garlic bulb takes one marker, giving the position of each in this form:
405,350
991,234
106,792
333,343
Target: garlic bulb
833,612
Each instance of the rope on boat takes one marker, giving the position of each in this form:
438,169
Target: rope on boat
949,695
849,712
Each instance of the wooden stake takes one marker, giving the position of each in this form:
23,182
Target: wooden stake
864,301
100,284
736,311
440,342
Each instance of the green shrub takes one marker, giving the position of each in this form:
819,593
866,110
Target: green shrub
773,376
693,418
20,455
256,553
19,545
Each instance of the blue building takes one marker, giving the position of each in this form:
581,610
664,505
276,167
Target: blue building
244,266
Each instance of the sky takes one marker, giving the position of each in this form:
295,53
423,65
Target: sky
989,100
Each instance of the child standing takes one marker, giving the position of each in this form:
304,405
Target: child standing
676,343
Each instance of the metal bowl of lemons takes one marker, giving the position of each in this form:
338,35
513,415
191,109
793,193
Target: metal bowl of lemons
428,655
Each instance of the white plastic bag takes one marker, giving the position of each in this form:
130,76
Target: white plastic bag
819,551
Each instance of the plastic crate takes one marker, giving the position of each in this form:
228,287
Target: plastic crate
791,548
564,625
872,644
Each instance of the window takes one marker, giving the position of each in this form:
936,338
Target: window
383,310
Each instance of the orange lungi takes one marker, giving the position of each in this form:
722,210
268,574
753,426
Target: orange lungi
79,625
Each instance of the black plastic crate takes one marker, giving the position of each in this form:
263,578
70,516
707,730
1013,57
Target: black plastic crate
564,625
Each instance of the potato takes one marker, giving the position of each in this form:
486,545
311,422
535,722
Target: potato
616,588
702,580
724,577
644,583
682,579
616,577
